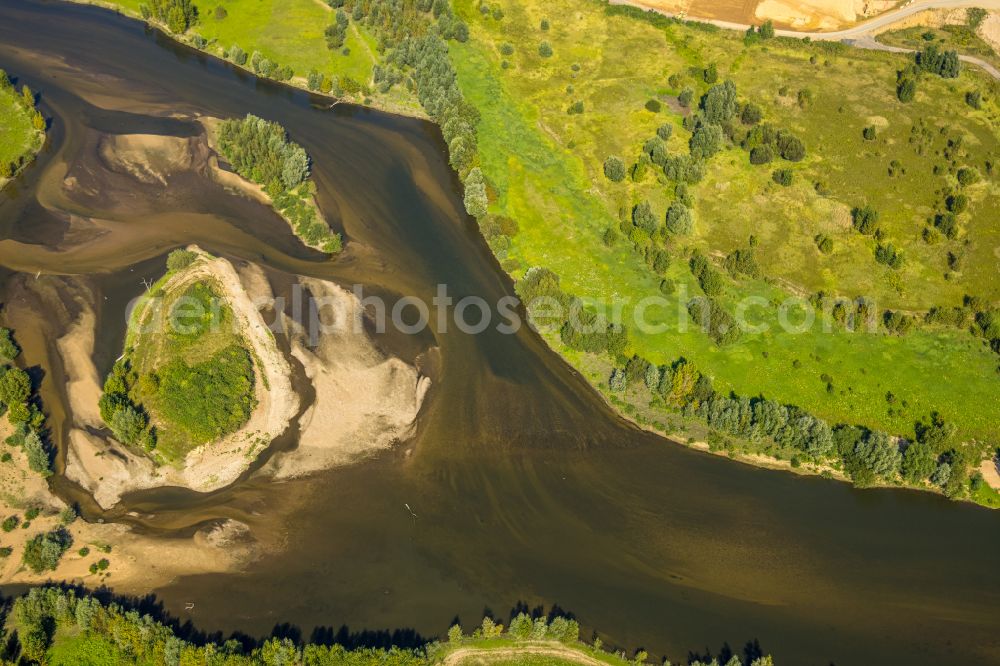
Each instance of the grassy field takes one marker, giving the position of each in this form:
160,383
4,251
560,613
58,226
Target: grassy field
18,137
290,32
545,168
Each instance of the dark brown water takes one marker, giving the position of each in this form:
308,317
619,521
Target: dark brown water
528,490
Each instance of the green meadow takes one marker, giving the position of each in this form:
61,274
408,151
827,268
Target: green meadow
544,168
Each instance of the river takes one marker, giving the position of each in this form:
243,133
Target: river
527,489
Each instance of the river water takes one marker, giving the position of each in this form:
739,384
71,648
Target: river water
527,490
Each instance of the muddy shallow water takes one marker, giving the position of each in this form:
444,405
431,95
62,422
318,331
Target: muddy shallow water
526,488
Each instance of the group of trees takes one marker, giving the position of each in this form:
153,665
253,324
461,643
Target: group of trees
945,64
126,418
259,150
177,15
82,630
18,399
867,456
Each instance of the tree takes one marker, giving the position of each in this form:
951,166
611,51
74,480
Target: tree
43,551
711,74
974,98
706,141
865,219
643,217
767,30
614,169
15,386
296,167
38,457
180,259
967,176
720,104
455,634
761,155
237,55
751,114
906,89
664,132
919,462
476,199
128,424
9,349
679,220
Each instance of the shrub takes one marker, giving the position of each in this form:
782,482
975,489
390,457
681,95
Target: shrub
679,220
179,259
220,13
761,155
476,199
614,169
967,176
906,89
974,98
868,133
665,131
653,106
545,50
43,552
9,349
782,177
865,219
643,217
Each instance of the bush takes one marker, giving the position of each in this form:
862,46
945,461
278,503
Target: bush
43,552
653,106
967,176
545,50
868,133
782,177
679,220
974,98
220,13
761,155
9,349
665,131
906,89
476,199
614,169
865,219
178,260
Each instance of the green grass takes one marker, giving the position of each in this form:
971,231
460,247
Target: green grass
960,38
18,137
545,167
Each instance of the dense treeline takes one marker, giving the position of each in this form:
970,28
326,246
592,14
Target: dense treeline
259,150
23,409
56,626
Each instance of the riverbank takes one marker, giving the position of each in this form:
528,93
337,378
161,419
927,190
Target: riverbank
22,129
392,104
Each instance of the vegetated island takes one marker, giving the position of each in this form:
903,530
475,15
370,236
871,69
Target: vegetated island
199,391
54,626
202,387
278,172
22,128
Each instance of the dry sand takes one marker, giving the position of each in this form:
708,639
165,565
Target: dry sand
149,158
991,473
137,563
365,401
